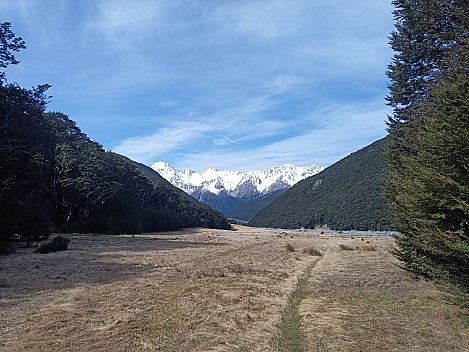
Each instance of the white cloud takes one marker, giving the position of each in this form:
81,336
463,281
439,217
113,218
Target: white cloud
265,20
126,21
233,125
46,29
344,130
165,140
284,82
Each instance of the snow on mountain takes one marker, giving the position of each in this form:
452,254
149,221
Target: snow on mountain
235,183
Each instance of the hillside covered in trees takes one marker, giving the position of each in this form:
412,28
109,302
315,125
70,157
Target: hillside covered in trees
345,196
54,177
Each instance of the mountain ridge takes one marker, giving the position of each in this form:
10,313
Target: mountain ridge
225,190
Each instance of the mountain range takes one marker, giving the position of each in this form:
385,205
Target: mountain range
225,190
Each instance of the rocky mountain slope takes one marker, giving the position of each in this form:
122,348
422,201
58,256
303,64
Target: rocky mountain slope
224,190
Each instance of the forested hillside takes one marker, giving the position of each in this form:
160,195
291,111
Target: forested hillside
345,196
54,177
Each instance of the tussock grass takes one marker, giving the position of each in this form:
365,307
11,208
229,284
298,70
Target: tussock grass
344,247
313,251
366,248
290,248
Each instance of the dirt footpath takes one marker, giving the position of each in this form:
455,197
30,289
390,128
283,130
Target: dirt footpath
211,290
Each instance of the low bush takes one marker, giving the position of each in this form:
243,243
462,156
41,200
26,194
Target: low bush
290,248
6,248
313,251
58,243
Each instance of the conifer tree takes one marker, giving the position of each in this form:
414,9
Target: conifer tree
9,42
428,153
425,30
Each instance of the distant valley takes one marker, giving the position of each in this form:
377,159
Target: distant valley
229,191
346,195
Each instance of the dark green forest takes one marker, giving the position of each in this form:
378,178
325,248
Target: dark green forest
344,196
54,178
428,153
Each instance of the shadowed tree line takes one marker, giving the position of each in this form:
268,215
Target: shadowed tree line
53,177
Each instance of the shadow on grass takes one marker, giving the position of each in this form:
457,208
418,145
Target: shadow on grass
91,259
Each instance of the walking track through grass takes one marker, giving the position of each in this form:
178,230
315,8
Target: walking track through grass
291,336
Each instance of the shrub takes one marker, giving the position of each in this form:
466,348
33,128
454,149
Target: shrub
6,248
313,251
58,243
290,248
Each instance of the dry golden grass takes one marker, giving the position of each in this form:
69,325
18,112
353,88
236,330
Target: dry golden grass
313,251
366,248
289,247
363,301
208,290
345,247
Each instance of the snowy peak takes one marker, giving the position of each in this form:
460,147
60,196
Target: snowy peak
235,183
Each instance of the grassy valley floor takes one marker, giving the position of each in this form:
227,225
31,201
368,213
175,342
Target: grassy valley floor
213,290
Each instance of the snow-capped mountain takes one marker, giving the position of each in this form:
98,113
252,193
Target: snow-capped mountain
226,189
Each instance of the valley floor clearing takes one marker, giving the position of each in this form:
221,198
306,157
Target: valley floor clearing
213,290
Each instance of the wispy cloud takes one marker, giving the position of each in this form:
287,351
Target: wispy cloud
213,83
231,126
166,139
321,137
123,22
46,29
333,141
260,20
284,82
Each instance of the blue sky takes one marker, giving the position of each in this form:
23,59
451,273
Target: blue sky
224,84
